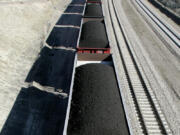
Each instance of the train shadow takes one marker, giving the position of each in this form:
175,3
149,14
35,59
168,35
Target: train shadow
53,68
36,112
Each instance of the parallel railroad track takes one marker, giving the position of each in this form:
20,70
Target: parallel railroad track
173,36
150,117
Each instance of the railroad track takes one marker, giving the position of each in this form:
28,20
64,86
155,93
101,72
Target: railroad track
150,117
173,36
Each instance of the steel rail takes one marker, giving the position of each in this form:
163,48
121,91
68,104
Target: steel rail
173,36
144,100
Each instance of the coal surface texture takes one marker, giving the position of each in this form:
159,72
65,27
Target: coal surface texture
36,112
66,37
53,68
93,35
70,19
93,0
96,107
78,2
74,9
93,10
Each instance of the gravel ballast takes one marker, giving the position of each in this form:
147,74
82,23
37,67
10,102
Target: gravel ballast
96,107
93,35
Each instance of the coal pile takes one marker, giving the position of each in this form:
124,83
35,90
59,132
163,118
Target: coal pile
93,0
93,35
96,107
93,10
36,112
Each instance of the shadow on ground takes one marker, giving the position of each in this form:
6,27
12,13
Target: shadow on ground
36,112
53,68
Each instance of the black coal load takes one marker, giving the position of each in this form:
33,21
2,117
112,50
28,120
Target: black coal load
93,10
93,35
93,0
96,107
36,112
